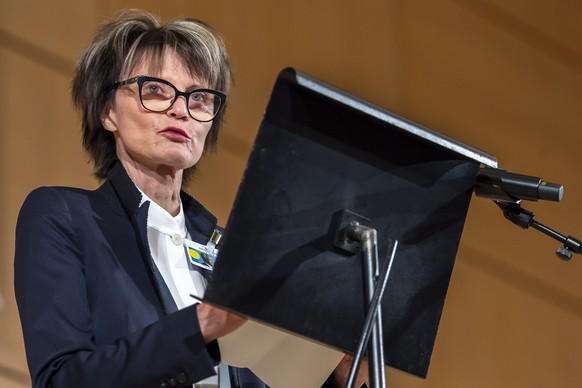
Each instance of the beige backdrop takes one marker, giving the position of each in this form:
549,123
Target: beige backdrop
502,75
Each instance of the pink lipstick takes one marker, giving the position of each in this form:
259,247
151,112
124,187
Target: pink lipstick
175,133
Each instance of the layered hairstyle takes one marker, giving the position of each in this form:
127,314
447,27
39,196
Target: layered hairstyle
132,38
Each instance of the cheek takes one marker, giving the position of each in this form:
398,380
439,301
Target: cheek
116,120
203,135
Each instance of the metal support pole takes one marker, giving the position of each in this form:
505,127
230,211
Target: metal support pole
368,237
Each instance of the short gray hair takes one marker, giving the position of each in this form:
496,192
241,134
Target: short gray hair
126,41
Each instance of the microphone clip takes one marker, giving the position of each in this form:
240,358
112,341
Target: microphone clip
507,190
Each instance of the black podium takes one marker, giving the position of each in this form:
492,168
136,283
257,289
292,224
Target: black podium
318,152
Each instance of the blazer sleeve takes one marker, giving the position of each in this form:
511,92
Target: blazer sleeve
56,319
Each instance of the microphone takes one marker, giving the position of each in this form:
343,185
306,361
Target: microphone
504,186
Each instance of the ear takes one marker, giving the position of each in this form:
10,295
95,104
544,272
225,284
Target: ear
108,118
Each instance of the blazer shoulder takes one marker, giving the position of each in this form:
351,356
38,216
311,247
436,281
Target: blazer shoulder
53,199
47,195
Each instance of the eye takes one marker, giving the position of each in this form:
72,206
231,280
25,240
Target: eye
154,89
199,97
201,102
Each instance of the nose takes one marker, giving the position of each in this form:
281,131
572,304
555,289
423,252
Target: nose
179,108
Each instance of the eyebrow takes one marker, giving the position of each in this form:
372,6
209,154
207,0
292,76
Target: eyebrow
191,87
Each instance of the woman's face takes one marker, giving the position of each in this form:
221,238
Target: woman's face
157,142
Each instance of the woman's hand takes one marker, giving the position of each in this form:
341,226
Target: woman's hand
215,322
342,371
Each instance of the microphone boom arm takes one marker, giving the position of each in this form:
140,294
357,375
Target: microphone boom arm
524,218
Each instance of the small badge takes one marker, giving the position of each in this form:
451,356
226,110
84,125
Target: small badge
201,255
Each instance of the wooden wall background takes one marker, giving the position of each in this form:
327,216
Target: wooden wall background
502,75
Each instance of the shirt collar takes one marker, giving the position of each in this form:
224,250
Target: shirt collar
162,221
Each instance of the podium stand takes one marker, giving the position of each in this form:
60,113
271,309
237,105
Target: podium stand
320,152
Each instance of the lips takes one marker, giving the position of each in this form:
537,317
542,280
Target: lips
175,132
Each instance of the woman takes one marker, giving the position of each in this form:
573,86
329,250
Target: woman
103,282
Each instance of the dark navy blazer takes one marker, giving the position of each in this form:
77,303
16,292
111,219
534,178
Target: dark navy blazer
92,310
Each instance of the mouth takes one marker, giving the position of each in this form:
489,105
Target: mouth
175,132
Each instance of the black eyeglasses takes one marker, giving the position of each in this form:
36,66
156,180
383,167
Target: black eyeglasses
158,95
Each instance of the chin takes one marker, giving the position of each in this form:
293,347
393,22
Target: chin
181,161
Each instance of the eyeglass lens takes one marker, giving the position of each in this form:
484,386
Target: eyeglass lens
158,97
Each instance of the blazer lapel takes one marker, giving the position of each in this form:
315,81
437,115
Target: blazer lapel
129,237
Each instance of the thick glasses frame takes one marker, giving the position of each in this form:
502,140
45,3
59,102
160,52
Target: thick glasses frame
141,79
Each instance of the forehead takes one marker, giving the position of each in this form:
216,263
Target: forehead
163,64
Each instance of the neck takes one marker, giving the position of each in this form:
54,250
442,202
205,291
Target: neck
163,187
